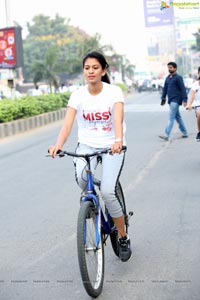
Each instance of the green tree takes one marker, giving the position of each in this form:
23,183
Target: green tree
45,33
49,69
53,50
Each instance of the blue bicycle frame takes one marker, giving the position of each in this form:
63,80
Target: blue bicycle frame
91,195
103,219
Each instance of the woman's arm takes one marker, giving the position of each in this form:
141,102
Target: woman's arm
64,132
192,96
118,127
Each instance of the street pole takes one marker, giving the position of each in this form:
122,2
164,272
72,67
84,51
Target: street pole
11,75
7,13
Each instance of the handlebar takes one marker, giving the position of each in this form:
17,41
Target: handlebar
62,153
193,107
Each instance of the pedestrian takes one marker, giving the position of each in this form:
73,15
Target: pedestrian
175,91
188,83
36,91
99,110
194,102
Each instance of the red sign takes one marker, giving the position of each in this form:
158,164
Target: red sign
8,57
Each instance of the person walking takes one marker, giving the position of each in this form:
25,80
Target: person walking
188,83
99,110
194,102
175,90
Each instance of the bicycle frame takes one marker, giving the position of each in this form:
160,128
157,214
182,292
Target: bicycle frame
104,217
91,195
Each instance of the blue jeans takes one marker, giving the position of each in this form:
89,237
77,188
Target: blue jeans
174,114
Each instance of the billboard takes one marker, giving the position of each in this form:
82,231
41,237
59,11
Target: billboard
157,15
11,49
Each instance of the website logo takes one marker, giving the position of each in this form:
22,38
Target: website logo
180,5
164,5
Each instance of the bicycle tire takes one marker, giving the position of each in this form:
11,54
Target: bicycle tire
91,259
114,234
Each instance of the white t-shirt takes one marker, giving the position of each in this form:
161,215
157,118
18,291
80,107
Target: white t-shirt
95,115
196,89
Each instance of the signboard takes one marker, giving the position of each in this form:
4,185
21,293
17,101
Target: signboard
155,15
11,54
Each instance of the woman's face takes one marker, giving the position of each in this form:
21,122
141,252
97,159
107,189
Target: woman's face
93,70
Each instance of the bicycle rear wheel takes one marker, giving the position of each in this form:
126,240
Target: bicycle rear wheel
90,256
114,234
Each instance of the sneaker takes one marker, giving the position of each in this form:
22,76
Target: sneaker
184,136
198,137
164,137
125,250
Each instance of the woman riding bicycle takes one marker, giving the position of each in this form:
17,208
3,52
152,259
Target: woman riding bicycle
194,101
99,108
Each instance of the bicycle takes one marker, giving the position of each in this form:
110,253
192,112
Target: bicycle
94,226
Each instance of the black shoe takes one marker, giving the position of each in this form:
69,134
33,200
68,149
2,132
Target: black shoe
184,136
198,137
125,250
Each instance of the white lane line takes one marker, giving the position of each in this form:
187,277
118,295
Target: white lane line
145,171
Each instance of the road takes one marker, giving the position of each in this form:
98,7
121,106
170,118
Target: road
40,200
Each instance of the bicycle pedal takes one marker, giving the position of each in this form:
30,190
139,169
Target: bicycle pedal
131,213
127,217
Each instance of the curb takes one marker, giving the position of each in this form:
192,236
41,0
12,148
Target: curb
23,125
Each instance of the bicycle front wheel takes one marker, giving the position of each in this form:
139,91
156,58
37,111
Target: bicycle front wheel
90,255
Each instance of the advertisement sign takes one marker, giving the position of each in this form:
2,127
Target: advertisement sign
155,15
10,48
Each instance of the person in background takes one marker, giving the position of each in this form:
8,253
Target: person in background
37,91
98,108
194,102
188,83
175,90
1,95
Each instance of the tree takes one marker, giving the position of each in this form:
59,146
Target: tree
49,69
53,50
43,34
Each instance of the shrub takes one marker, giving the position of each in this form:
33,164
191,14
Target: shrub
8,110
28,106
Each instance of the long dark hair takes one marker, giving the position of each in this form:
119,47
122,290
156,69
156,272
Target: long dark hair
101,59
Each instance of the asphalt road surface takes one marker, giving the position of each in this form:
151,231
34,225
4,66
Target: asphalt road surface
39,202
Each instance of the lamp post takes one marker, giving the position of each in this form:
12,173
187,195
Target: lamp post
11,76
7,13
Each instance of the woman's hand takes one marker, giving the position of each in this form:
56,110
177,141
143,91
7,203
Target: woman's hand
189,107
53,150
116,147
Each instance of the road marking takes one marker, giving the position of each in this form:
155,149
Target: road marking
144,172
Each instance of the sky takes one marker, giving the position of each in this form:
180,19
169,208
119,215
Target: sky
118,22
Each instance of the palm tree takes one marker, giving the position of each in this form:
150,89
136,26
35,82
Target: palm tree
49,69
